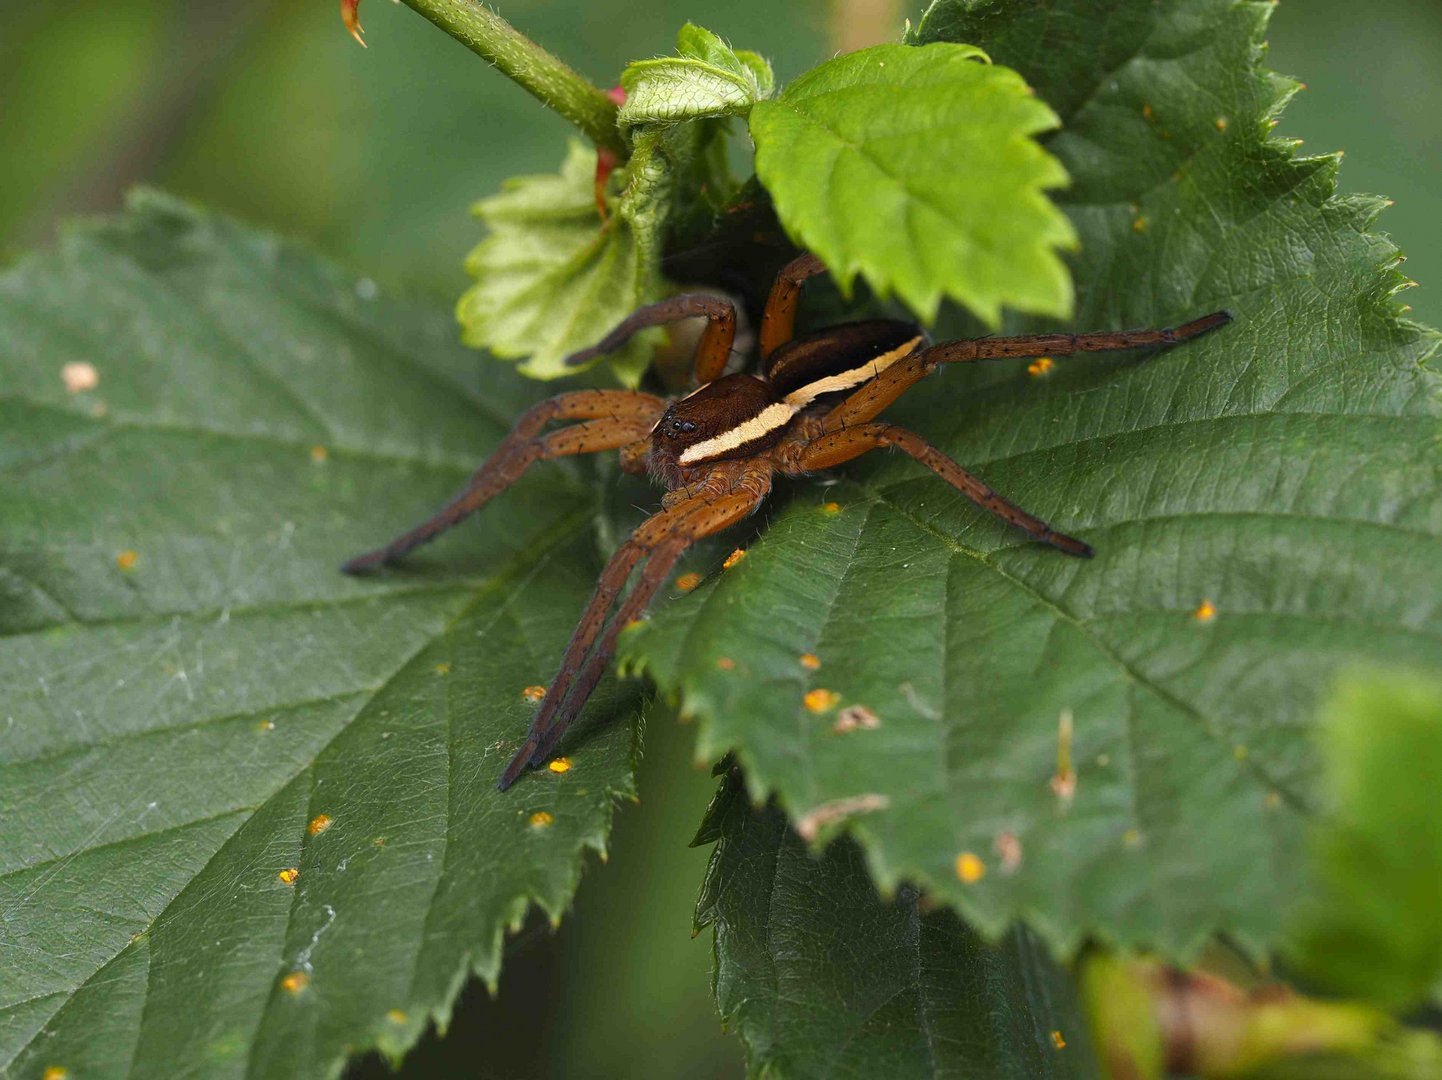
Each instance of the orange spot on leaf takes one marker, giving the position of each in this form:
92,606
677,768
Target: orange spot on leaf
55,1072
819,700
443,669
725,663
970,868
1040,366
560,765
295,982
1206,611
687,582
318,454
832,508
396,1016
318,824
541,819
810,661
1057,1040
533,693
288,875
126,560
734,558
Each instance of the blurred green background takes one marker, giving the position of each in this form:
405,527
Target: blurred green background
266,109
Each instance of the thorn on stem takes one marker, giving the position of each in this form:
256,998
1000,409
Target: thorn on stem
350,15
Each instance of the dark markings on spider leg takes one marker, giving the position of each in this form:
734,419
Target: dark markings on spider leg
619,417
950,352
663,545
831,450
712,351
778,321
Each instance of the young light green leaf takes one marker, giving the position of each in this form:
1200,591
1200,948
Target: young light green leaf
707,79
1265,503
917,168
249,805
1369,929
820,977
551,277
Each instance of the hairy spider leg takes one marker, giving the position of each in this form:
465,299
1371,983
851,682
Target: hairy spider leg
840,446
778,321
618,418
712,351
661,539
868,401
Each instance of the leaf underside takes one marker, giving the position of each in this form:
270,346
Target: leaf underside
190,682
821,978
551,279
1280,476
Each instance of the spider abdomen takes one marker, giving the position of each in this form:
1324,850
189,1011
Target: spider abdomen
839,358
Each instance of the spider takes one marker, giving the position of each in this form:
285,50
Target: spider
814,406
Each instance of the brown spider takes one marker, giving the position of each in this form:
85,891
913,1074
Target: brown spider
716,449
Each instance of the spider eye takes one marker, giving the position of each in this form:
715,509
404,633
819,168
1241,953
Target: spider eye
680,427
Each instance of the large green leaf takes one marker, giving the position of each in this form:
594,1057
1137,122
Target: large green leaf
190,682
918,170
1264,503
822,978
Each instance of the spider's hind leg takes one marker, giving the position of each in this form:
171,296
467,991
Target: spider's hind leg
618,418
840,446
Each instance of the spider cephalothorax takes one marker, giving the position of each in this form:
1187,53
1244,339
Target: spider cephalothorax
812,406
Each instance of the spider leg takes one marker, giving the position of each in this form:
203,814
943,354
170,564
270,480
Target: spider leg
837,447
994,348
868,401
712,351
778,321
624,418
661,540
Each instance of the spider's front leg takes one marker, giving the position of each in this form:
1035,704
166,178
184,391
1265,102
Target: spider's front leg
660,540
615,419
868,402
712,351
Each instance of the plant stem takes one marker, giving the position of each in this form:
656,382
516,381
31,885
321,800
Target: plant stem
548,78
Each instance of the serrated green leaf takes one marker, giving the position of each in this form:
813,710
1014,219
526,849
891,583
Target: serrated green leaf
1284,469
708,79
551,278
821,978
1370,929
190,681
917,169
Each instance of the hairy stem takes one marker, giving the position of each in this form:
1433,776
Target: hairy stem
548,78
